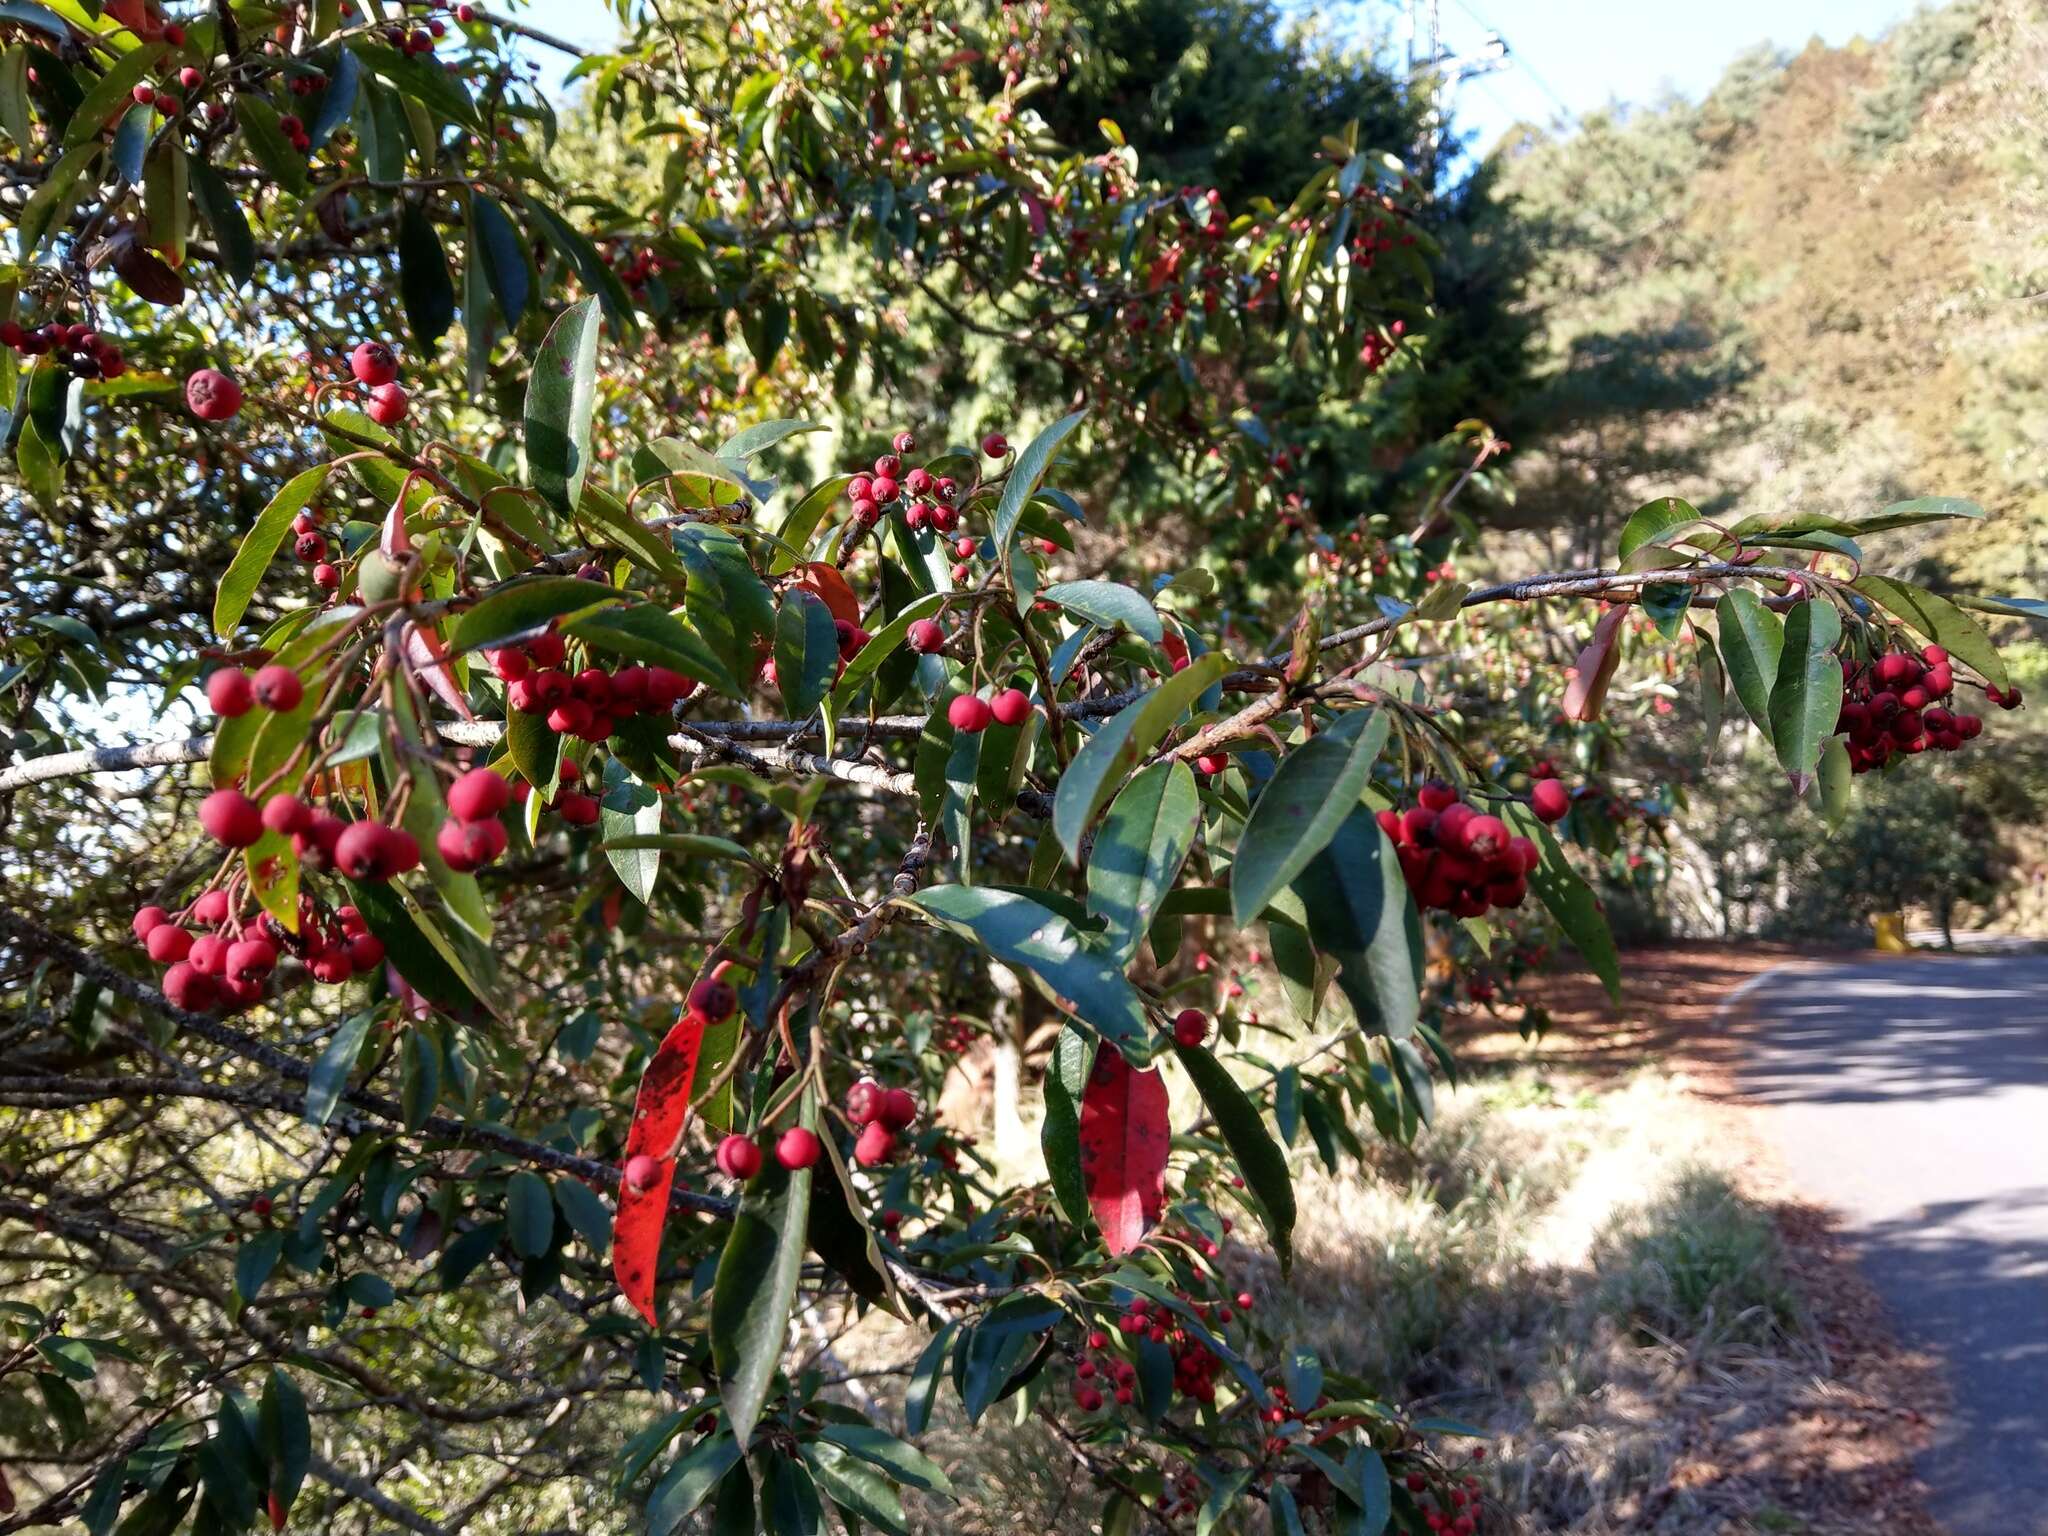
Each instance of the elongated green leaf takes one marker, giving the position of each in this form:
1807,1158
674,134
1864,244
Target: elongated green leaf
1569,899
255,1261
1835,781
1120,744
1937,619
503,252
689,1481
561,399
1361,915
925,1376
760,437
1316,787
1752,638
1139,851
287,1435
330,1073
536,751
904,1463
425,81
424,283
520,608
1258,1156
1806,699
803,520
110,93
1026,475
1059,1135
1108,603
806,651
529,1214
1921,509
259,546
687,844
855,1486
1650,521
588,1216
1019,931
630,817
265,138
756,1285
232,241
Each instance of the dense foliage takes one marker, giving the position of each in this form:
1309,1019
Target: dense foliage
622,801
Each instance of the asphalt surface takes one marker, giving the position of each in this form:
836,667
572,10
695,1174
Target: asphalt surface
1911,1095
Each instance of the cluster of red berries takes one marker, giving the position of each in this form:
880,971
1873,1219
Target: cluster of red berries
952,1035
472,836
79,348
162,97
229,963
1891,707
1457,858
880,1113
587,704
310,547
375,367
1195,1365
1456,1511
971,714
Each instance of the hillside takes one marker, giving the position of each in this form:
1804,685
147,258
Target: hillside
1825,286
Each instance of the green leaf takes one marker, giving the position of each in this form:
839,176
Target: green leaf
756,1285
52,201
1059,1135
1752,638
1121,743
1139,850
1025,477
1648,522
224,217
265,138
529,1214
1939,620
416,957
503,252
1108,604
904,1463
649,633
1835,779
806,652
255,1260
520,609
688,844
760,437
1806,698
561,398
854,1486
1360,914
689,1481
419,1079
111,93
1569,899
630,818
1258,1156
1018,931
259,546
923,1392
1315,788
287,1435
330,1073
535,750
803,520
699,479
592,269
425,81
789,1499
588,1216
1920,509
727,601
424,282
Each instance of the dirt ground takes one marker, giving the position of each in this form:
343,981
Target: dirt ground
1832,1450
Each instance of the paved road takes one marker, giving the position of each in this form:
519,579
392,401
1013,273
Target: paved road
1912,1096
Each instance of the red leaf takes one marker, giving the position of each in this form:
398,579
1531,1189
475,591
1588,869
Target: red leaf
1124,1142
1594,670
659,1113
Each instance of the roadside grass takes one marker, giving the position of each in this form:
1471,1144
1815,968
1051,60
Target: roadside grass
1561,1262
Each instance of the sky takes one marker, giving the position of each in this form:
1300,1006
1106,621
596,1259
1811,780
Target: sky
1564,54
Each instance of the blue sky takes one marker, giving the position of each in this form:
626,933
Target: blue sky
1575,54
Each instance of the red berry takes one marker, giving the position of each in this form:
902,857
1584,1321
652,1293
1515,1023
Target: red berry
925,636
168,942
877,1143
1436,796
251,959
864,1102
278,688
190,990
373,363
1190,1027
148,920
1209,764
899,1108
1010,707
229,692
387,404
211,395
231,817
714,999
995,445
479,795
1550,800
798,1148
969,713
371,851
285,813
738,1158
143,94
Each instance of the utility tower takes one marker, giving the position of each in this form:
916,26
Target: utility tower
1438,72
